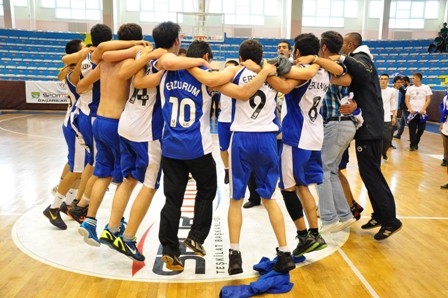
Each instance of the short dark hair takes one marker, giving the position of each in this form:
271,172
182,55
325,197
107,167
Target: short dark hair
233,62
165,34
251,49
198,48
73,46
332,40
307,44
182,51
356,38
406,79
100,33
398,78
130,31
285,41
384,75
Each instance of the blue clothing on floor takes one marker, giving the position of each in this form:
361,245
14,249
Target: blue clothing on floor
270,281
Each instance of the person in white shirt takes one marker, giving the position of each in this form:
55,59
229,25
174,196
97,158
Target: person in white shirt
389,96
418,97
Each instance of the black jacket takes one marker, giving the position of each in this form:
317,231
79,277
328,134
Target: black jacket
367,93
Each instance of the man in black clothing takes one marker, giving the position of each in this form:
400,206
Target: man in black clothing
366,89
402,106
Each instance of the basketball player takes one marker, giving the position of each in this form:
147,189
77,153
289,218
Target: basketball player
187,147
253,149
114,92
76,153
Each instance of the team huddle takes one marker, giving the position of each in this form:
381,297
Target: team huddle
137,112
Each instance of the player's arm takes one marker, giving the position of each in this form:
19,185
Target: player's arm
75,57
344,80
76,73
283,85
114,45
120,55
327,64
131,66
63,72
147,81
86,83
247,91
302,73
213,79
170,61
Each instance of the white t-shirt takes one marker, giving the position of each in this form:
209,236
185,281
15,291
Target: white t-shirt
417,96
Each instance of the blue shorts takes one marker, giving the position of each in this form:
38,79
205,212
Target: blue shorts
77,157
84,125
141,161
224,135
300,167
253,152
107,160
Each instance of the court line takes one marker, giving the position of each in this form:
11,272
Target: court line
358,273
24,134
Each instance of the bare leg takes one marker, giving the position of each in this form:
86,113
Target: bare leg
309,205
277,221
235,220
139,210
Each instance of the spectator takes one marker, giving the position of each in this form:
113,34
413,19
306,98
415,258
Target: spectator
402,106
418,98
366,89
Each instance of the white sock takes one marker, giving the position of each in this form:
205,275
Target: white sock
235,246
283,249
57,201
70,196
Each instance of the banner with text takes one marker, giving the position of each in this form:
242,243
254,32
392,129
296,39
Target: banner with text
46,92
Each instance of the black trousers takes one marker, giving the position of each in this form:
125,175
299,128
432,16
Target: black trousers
175,179
416,130
368,153
387,137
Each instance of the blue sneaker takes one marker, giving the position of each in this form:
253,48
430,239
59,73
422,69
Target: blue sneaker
128,248
87,229
107,237
123,224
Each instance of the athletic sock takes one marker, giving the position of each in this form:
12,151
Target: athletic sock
57,201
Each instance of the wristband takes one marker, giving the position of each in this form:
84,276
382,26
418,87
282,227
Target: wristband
315,58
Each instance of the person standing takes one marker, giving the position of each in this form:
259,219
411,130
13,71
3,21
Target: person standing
339,131
418,97
402,106
284,49
389,96
366,89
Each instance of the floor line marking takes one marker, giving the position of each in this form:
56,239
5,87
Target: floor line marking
358,273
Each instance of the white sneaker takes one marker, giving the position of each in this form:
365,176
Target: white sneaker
344,224
330,228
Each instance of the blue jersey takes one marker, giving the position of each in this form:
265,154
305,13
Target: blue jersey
186,111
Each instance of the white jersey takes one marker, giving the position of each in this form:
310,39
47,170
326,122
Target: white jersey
141,120
88,102
258,113
417,96
225,103
302,123
389,97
